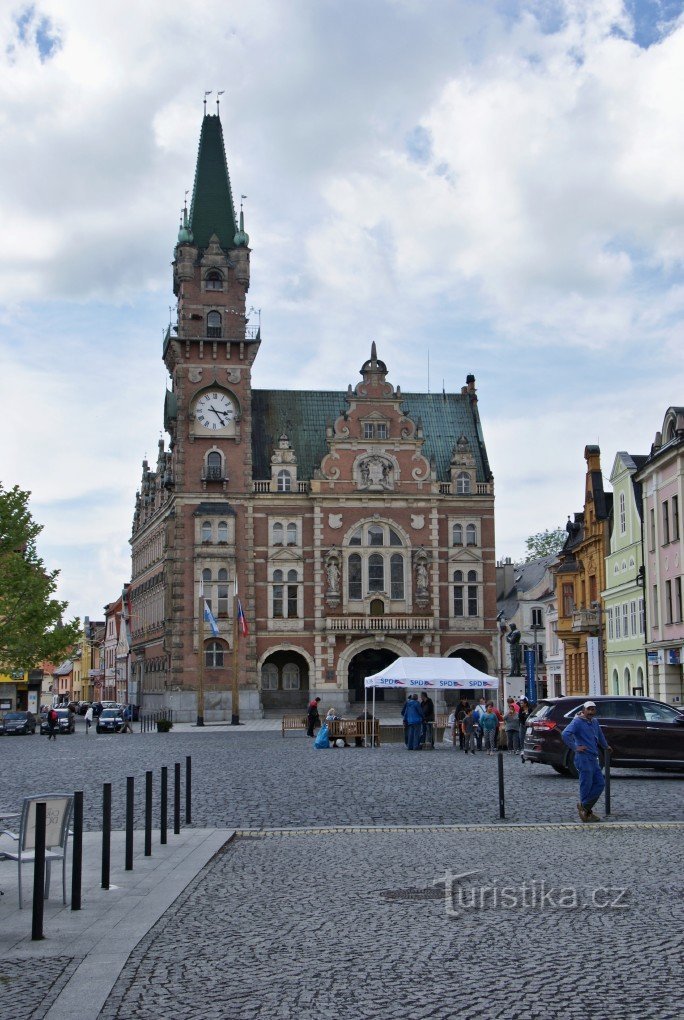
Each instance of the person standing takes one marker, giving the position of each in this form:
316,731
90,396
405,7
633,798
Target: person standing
470,730
523,716
413,717
428,731
52,721
313,719
89,719
479,710
584,736
512,727
461,713
489,724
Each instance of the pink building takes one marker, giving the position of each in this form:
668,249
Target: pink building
662,479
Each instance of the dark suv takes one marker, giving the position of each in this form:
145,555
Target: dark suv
642,733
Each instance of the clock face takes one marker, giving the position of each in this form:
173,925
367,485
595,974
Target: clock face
214,410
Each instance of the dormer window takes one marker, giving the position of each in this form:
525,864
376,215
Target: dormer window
368,430
381,430
213,280
214,324
462,483
284,481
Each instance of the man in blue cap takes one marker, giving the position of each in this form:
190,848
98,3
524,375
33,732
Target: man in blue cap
584,736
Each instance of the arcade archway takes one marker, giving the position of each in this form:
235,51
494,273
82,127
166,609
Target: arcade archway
474,658
365,663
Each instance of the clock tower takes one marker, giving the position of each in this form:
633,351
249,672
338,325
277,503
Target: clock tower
200,520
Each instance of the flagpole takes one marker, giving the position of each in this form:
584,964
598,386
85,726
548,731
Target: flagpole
200,659
235,697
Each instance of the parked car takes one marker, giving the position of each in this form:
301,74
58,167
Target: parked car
66,721
642,732
19,722
110,720
82,707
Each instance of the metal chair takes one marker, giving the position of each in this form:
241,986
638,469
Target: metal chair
58,810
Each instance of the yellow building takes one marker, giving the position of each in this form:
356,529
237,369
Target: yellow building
580,577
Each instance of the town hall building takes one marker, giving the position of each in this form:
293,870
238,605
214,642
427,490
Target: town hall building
356,524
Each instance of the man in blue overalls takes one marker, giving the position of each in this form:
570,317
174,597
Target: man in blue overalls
584,736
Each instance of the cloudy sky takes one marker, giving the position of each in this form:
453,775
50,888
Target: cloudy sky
482,186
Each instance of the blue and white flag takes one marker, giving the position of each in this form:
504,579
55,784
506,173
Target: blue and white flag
209,618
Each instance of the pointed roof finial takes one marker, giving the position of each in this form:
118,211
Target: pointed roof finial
218,96
205,101
241,239
374,353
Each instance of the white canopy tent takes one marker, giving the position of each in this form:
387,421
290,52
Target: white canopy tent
415,672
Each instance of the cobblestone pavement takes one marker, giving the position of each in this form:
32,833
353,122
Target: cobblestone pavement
351,925
257,779
25,993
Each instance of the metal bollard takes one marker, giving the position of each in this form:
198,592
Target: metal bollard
77,852
148,814
502,801
130,791
607,756
176,798
106,832
164,803
39,872
188,790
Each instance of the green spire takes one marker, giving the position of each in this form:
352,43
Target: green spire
212,210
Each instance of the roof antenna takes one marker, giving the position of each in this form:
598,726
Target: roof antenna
443,390
218,94
205,101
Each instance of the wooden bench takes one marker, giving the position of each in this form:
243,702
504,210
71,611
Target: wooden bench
393,733
354,729
293,722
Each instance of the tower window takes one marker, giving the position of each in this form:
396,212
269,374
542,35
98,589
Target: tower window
206,531
214,280
223,531
277,533
213,655
214,466
222,594
292,534
284,481
214,324
471,535
462,483
457,534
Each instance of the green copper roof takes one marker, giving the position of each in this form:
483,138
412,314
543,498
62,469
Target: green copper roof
304,414
212,210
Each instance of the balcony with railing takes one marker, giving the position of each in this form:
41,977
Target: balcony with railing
264,485
585,621
213,473
379,624
481,489
224,332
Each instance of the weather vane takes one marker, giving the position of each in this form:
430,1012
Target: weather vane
218,95
205,101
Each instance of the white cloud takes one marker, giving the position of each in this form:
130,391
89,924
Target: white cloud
502,186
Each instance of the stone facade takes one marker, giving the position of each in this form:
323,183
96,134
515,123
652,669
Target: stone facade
662,481
580,578
356,525
623,598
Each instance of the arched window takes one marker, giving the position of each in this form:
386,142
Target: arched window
214,466
277,594
213,655
628,681
222,531
616,682
394,537
357,537
284,481
397,576
206,584
376,535
471,535
354,580
292,534
639,679
277,533
269,677
206,531
214,280
462,483
290,676
457,534
376,572
214,324
222,594
458,593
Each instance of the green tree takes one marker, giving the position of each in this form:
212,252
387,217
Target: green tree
31,628
545,543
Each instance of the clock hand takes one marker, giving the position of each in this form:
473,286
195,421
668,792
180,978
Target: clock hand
217,413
